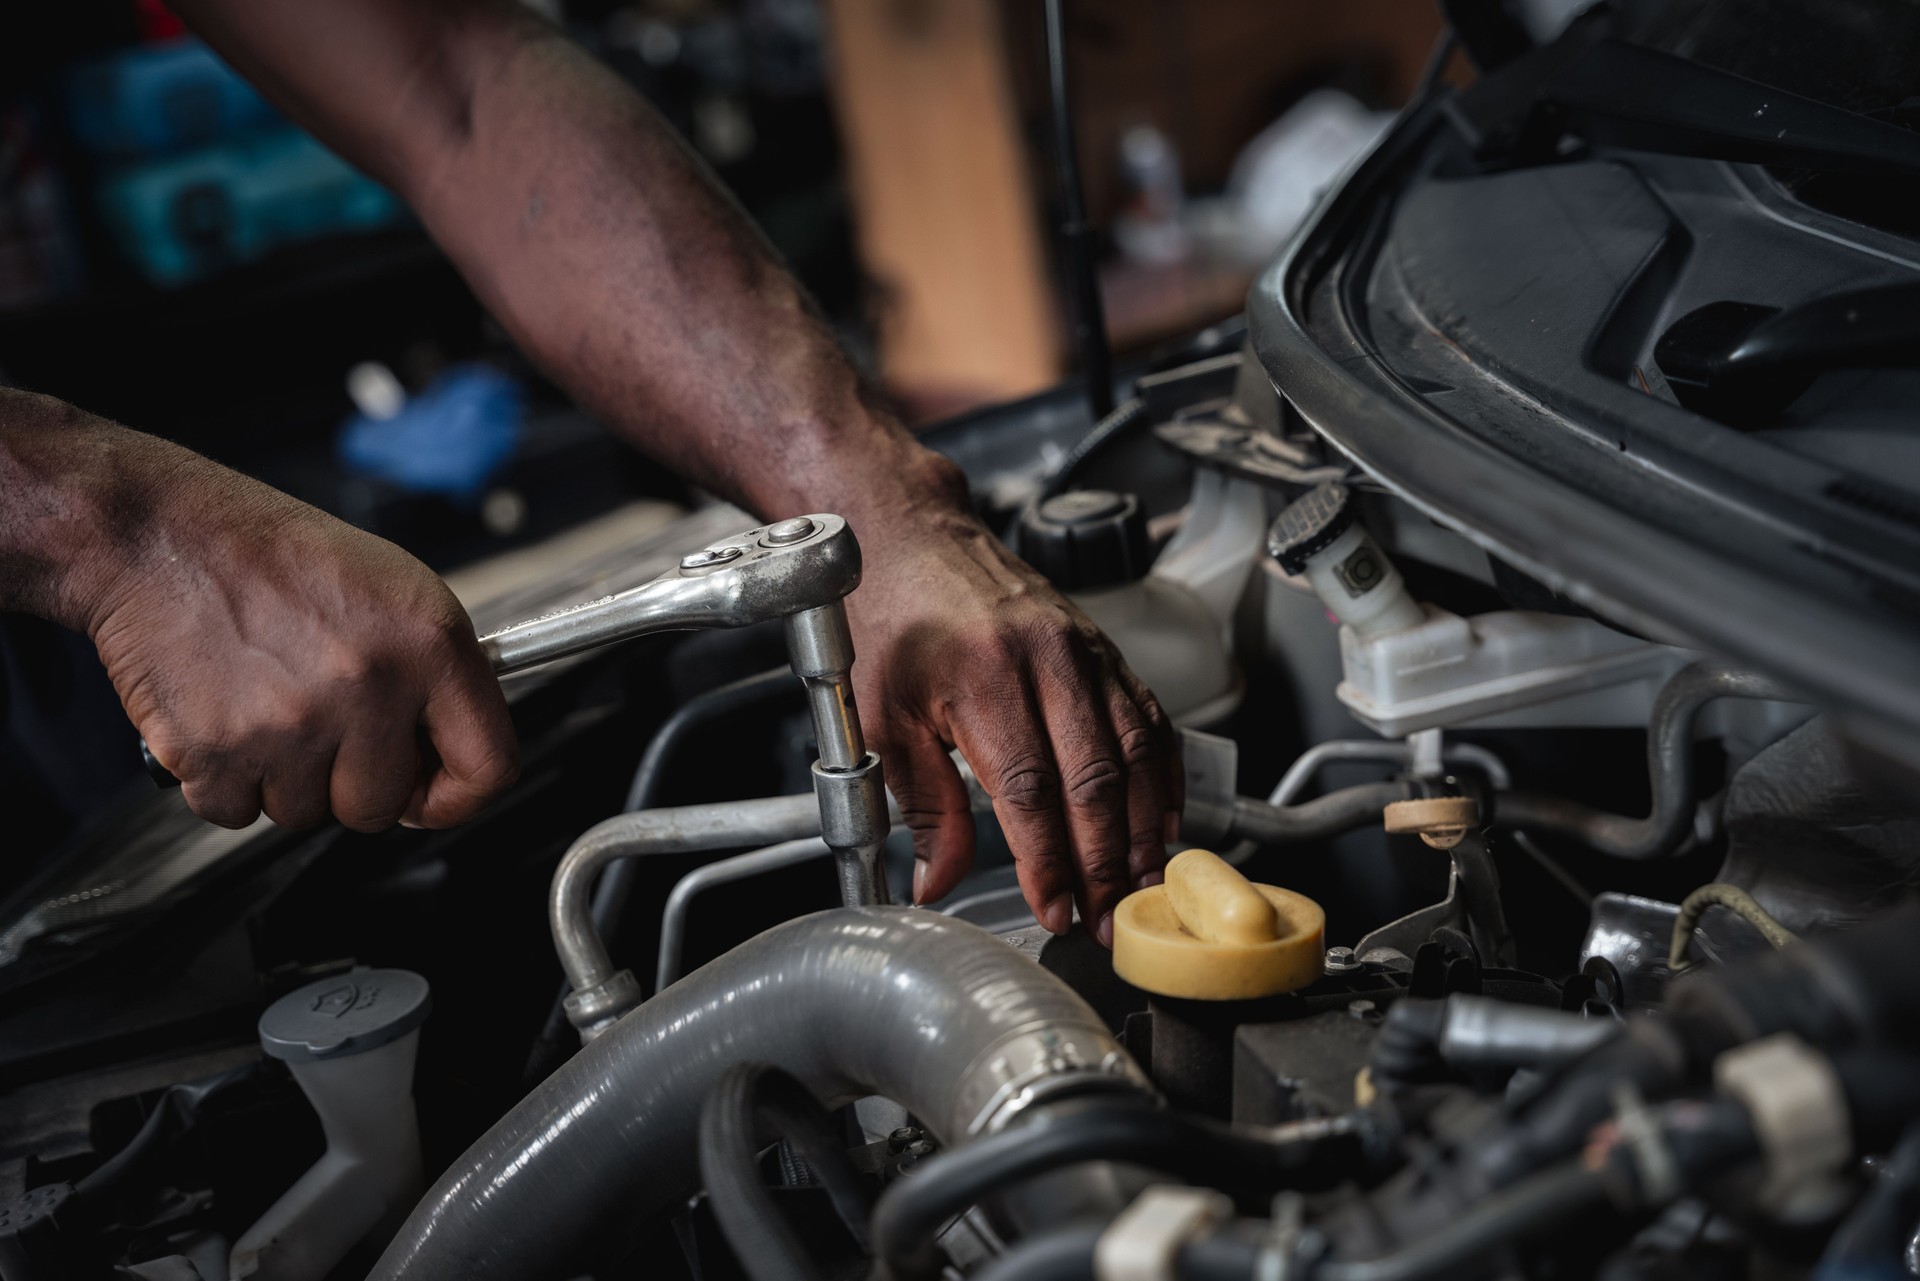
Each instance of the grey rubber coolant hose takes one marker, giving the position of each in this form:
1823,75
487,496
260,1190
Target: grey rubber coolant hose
933,1013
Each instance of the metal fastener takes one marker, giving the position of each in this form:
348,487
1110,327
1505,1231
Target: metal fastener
708,557
1341,960
799,529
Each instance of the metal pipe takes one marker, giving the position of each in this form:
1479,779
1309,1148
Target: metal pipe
601,993
935,1014
1324,816
1387,751
673,918
1669,771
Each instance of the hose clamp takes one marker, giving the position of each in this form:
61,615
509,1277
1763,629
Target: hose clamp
1143,1243
1032,1067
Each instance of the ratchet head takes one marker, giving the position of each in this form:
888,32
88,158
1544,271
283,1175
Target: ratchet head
764,573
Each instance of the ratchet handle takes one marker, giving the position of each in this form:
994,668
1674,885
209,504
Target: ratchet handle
769,572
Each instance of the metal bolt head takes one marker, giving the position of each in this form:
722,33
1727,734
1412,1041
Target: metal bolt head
1341,960
787,532
708,557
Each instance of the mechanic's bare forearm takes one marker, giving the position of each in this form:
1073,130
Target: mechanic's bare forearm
596,237
76,494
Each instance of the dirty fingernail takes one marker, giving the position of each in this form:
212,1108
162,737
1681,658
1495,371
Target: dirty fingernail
919,881
1059,915
1105,931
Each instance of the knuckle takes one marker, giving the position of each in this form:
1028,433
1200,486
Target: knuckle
1106,872
297,812
1098,781
1030,785
366,818
497,771
1139,746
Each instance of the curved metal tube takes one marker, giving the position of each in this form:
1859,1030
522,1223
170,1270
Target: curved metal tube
936,1014
1324,816
1669,771
583,955
673,918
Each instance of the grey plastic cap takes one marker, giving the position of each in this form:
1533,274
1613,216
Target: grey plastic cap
1309,524
348,1014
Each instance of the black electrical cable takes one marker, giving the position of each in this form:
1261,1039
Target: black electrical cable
1076,236
1105,432
615,888
616,883
1314,1154
749,1102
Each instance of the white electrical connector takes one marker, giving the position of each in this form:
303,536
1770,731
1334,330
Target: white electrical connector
1144,1242
1800,1116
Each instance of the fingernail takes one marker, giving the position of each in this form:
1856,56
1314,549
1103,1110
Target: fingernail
919,882
1059,915
1105,931
1150,878
1170,827
409,823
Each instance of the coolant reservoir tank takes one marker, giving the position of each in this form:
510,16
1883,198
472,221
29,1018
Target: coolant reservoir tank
1210,934
1092,545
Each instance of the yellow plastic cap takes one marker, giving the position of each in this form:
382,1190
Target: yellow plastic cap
1210,934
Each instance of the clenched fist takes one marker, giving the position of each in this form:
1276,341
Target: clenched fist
275,659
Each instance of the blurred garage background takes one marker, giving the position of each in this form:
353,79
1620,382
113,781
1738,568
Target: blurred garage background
176,255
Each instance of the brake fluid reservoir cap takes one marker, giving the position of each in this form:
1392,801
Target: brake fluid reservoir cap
348,1014
1310,524
1210,934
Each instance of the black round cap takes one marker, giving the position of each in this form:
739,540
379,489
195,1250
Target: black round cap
1087,539
351,1014
1309,524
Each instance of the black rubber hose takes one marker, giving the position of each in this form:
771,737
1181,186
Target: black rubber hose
1669,772
1528,1208
1316,1154
557,1038
1065,1255
177,1112
616,883
751,1102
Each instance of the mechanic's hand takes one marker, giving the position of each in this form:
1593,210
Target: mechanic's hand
960,644
278,659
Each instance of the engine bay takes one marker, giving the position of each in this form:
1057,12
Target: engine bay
1541,905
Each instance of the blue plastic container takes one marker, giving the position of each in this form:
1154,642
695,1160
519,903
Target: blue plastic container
162,97
182,218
